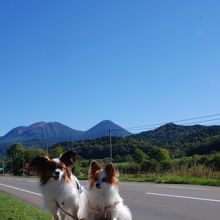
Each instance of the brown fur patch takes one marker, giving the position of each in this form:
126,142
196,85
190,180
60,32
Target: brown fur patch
44,168
95,169
93,173
68,158
111,174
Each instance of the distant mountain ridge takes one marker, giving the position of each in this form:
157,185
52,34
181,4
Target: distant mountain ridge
179,138
170,132
51,131
41,133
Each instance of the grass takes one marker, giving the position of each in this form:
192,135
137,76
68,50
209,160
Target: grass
14,209
156,178
171,179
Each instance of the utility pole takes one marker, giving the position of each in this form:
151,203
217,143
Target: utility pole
23,164
11,167
110,144
3,168
47,149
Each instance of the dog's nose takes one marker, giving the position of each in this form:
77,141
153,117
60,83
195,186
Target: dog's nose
57,173
98,185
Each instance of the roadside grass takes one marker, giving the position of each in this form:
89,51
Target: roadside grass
14,209
156,178
196,174
171,179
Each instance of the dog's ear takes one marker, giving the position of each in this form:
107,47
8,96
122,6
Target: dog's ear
68,158
111,174
38,164
110,170
93,167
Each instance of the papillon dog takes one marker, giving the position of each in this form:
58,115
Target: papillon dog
60,190
104,201
69,159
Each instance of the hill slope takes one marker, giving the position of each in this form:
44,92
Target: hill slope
179,138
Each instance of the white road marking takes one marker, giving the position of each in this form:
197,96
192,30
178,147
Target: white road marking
183,197
181,187
32,181
19,189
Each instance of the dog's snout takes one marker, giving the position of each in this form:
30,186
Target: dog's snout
57,173
98,185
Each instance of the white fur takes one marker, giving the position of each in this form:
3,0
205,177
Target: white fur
66,194
106,203
81,197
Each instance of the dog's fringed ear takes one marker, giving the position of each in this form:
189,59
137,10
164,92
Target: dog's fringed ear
111,174
93,167
110,170
68,158
38,163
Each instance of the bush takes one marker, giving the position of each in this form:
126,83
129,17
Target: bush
215,162
131,168
165,165
149,166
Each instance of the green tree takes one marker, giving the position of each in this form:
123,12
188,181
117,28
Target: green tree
32,152
139,155
159,154
16,154
56,151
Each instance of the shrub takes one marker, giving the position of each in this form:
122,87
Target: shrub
165,165
149,165
215,162
131,168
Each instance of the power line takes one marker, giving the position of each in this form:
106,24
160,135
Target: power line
186,119
215,119
119,132
184,124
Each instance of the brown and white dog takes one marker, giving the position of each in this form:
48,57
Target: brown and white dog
60,190
104,201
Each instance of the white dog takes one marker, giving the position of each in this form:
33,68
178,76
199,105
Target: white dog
104,201
60,190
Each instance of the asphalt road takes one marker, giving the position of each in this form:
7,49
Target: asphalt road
147,201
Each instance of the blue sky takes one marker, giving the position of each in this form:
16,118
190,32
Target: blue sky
133,62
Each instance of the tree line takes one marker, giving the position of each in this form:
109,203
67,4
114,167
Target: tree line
130,155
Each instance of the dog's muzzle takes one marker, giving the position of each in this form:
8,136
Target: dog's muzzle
98,184
56,175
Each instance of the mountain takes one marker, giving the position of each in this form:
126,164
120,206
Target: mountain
102,130
40,132
170,132
179,138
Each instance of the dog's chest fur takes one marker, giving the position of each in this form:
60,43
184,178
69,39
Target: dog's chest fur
102,203
59,191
